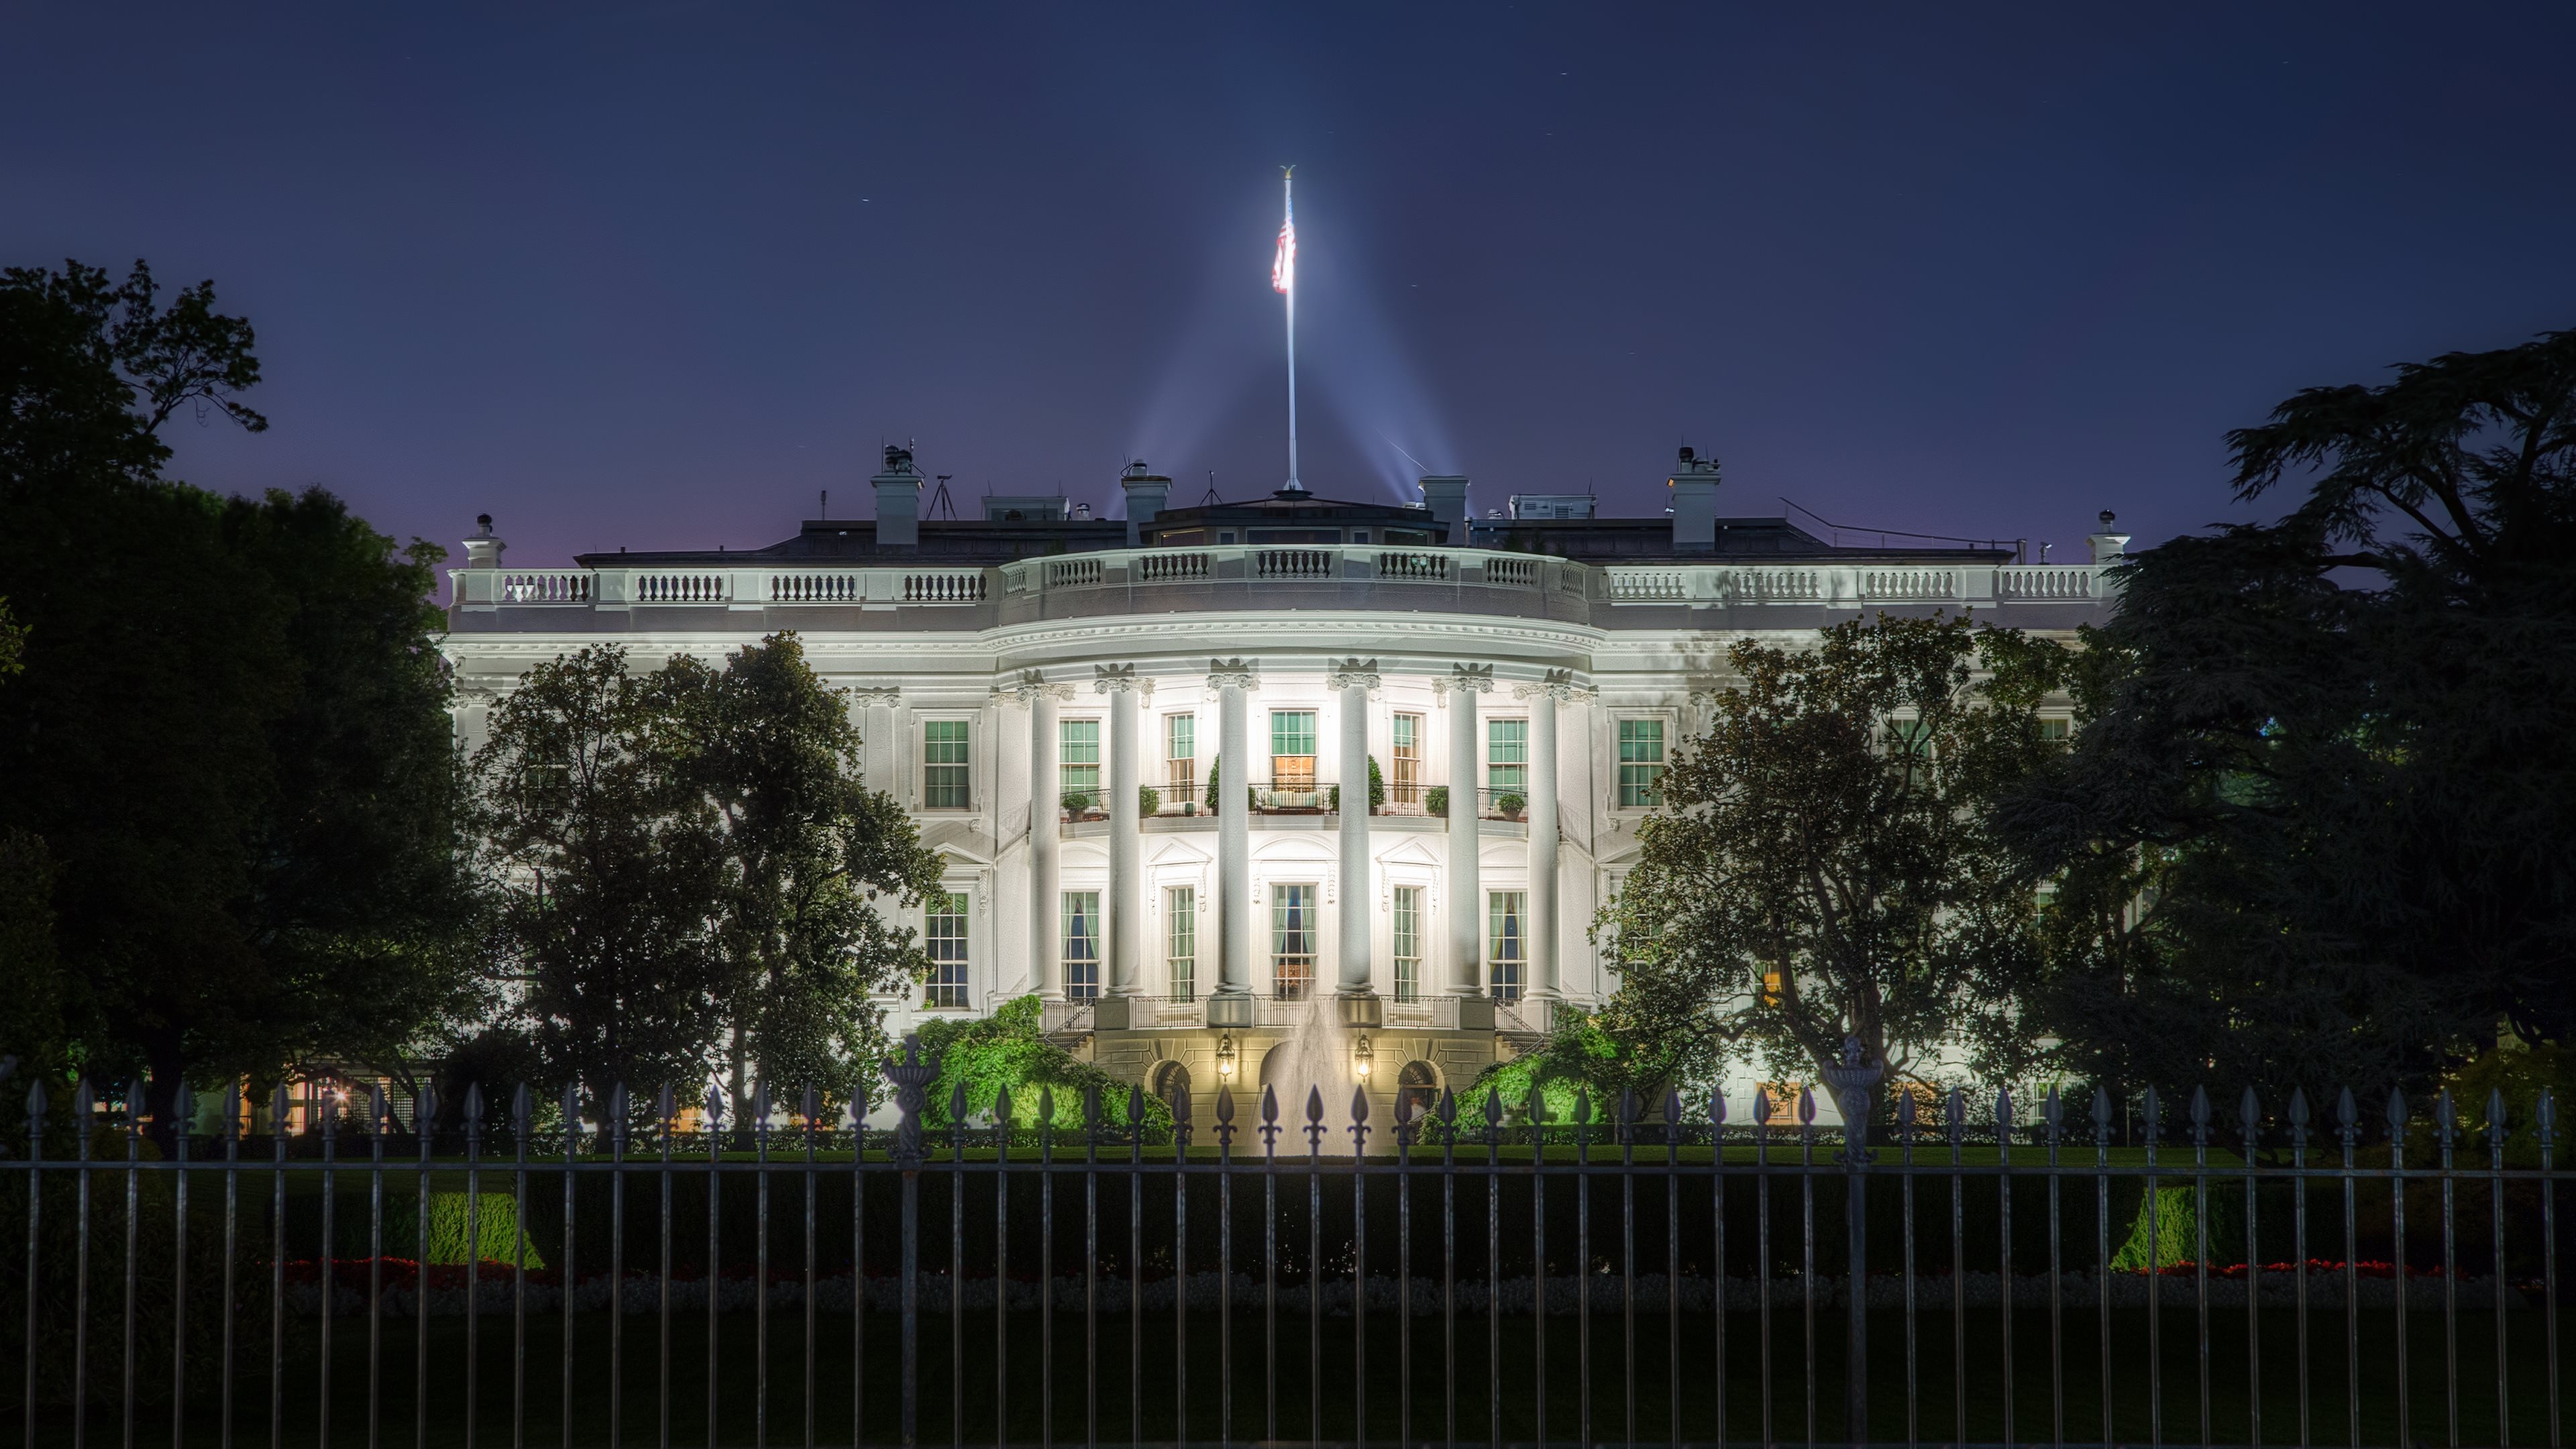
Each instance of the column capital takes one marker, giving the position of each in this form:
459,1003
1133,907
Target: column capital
1031,687
1466,678
1557,684
1119,679
884,694
1232,674
1351,673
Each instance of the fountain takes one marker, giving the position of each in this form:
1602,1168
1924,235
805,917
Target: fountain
1315,1057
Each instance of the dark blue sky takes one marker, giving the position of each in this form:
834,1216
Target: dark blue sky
652,276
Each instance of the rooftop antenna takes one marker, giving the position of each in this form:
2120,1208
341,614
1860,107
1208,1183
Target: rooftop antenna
1283,280
1211,493
827,505
941,505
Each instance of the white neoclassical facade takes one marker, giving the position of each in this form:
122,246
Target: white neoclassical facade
1051,696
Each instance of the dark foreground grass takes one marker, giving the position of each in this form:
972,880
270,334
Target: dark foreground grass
1065,1385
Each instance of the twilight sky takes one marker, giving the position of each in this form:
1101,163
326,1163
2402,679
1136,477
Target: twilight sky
654,275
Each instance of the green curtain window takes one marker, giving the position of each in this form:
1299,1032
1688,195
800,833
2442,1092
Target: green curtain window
1641,764
943,764
1078,757
1507,757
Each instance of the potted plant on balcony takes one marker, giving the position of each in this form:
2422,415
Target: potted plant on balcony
1510,805
1435,801
1149,801
1377,792
1075,804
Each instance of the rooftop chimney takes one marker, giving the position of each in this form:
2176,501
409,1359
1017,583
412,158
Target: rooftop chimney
898,491
1445,495
1694,486
1146,492
483,550
2109,547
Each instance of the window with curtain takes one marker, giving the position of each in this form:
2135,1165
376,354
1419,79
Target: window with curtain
1081,943
1181,938
1292,749
1506,758
1181,757
1507,940
1407,925
1641,764
943,764
1407,784
1078,758
943,938
1292,941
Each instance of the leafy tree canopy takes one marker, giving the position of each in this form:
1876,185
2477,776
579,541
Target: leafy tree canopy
1009,1050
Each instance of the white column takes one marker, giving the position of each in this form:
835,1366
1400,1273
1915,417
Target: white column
1543,699
1232,1003
1466,876
1353,679
1126,910
1046,906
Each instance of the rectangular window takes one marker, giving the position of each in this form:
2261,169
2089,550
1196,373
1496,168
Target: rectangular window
943,936
943,764
1181,910
1181,759
1082,943
2058,731
1408,760
1911,740
1641,764
1292,941
1292,749
1408,943
1507,940
1506,759
1078,760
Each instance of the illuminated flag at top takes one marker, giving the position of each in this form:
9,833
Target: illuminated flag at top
1283,269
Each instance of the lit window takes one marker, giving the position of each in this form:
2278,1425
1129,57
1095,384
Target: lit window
1507,940
943,936
1180,909
1082,943
1292,749
1641,764
1292,941
943,764
1180,756
1078,760
1408,759
1408,943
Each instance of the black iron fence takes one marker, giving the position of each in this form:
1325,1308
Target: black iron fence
618,1271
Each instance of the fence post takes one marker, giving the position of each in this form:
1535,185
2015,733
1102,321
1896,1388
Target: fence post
1852,1082
910,1076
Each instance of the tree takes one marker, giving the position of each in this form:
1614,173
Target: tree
688,870
1822,866
230,732
807,847
2315,825
604,859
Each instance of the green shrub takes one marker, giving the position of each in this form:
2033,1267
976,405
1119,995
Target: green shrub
1149,800
1008,1049
1436,800
1076,802
2175,1235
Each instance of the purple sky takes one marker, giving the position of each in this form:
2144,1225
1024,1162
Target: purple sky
655,275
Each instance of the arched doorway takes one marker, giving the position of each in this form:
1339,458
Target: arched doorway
1417,1091
1171,1083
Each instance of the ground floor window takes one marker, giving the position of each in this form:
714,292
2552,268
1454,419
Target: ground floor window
1292,941
1082,943
943,936
1417,1091
1507,940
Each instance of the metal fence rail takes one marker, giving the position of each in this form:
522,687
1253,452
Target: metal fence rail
1476,1276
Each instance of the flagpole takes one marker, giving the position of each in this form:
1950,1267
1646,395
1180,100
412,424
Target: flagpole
1288,199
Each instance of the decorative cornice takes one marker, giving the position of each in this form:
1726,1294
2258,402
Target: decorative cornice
1351,673
1119,679
1031,687
1234,673
1477,677
869,694
1557,684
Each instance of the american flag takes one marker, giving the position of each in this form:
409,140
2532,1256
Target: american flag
1283,268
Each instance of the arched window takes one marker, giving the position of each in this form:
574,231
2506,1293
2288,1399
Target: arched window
1171,1083
1417,1091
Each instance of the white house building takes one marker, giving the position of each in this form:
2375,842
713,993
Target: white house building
1051,695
